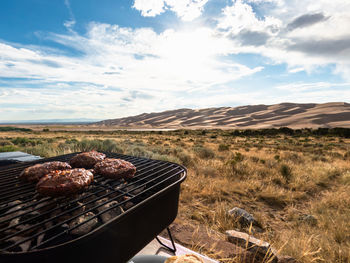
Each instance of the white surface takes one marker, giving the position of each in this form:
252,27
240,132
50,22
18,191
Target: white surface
19,156
154,248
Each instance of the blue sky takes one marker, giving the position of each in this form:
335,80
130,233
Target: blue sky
109,59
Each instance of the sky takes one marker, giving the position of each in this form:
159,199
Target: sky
103,59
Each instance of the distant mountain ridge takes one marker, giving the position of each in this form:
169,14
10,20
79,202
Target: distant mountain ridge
293,115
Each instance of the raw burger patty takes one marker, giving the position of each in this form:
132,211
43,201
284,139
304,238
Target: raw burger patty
87,159
66,182
35,172
115,168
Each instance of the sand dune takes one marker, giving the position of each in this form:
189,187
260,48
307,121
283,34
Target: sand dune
293,115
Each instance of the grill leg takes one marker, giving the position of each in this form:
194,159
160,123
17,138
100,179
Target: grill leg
173,249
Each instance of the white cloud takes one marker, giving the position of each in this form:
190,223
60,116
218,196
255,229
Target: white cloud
147,68
240,16
319,35
296,70
69,24
298,87
149,7
63,100
187,10
135,59
312,96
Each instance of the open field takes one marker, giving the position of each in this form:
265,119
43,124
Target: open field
278,178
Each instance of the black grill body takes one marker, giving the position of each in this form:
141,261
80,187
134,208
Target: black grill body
153,194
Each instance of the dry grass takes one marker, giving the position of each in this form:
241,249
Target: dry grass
277,179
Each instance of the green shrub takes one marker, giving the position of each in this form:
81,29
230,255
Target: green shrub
72,141
336,155
44,150
98,145
139,151
238,157
254,159
22,141
277,181
66,147
204,152
8,148
235,159
286,172
177,150
5,142
185,159
88,145
50,140
167,158
160,149
110,146
8,128
223,147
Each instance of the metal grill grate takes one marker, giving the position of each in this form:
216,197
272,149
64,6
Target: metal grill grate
25,217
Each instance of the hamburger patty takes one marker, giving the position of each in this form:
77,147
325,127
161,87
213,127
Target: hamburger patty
66,182
115,168
86,159
35,172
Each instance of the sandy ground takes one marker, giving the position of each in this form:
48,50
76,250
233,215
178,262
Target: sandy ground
327,115
336,114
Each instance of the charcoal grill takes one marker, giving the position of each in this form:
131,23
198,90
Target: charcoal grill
147,204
